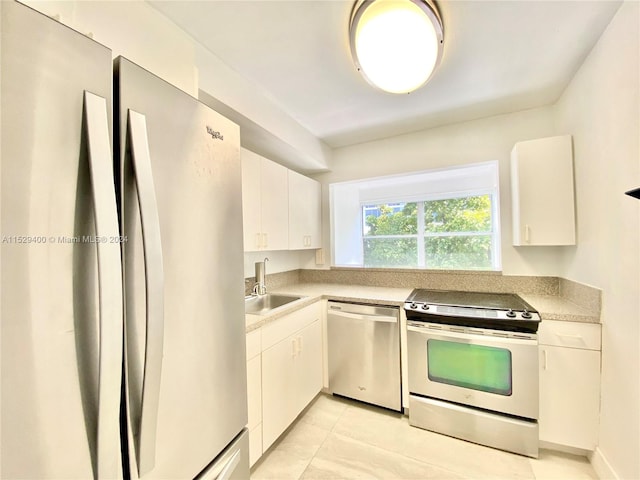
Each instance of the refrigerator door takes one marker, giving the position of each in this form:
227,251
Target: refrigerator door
61,288
232,464
185,358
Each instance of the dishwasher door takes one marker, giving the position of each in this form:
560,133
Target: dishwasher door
364,353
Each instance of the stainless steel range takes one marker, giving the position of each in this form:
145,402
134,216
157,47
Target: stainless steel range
473,367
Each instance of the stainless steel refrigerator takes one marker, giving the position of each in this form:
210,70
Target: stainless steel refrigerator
123,338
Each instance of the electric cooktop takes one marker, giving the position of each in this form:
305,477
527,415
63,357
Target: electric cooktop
499,311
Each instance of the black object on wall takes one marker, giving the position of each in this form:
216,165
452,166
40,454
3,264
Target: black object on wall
634,193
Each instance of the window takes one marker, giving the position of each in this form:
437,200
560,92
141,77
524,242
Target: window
446,219
451,233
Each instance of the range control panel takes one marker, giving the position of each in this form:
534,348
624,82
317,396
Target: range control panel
470,312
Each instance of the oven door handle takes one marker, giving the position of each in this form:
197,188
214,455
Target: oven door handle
468,336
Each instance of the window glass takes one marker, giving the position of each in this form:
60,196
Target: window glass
391,252
462,214
459,233
459,253
390,235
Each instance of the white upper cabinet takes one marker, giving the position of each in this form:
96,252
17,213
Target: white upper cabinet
265,203
281,208
304,212
542,192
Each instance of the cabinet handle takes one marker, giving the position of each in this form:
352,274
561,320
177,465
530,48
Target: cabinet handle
527,233
566,335
544,359
299,345
572,339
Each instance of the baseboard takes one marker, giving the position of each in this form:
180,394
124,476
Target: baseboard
602,466
565,449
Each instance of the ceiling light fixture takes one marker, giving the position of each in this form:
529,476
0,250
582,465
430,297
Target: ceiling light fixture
396,44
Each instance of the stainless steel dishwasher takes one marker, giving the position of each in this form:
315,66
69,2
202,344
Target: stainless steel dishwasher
364,353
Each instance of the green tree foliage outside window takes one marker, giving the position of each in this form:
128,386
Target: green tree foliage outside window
457,234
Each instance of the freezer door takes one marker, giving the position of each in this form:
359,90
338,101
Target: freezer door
61,289
184,286
232,464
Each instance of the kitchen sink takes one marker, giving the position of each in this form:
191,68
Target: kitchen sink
261,304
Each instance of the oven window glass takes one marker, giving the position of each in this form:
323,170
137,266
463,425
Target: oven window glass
478,367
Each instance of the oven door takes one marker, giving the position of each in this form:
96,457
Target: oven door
486,369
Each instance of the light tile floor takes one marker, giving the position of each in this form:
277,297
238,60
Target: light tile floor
341,439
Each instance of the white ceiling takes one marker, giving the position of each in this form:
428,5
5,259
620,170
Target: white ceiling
499,57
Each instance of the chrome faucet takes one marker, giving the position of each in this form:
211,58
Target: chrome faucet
260,288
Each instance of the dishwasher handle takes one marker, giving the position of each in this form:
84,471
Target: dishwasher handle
369,318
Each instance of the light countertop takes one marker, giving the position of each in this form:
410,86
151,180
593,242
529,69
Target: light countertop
550,307
553,307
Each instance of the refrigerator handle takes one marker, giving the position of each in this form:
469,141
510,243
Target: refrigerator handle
109,286
154,282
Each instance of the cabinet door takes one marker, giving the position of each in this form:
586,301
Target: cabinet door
274,205
254,403
291,378
279,400
315,214
542,192
304,212
308,365
254,392
251,209
569,396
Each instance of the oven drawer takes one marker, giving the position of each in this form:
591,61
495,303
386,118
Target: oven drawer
484,371
478,426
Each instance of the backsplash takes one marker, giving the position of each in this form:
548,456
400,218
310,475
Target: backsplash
437,280
586,296
274,280
580,294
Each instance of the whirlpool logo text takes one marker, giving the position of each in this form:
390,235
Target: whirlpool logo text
214,134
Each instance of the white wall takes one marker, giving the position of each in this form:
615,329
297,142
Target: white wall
601,108
272,131
132,29
476,141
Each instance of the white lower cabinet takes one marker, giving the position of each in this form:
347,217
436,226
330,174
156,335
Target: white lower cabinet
284,377
569,383
254,395
291,378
